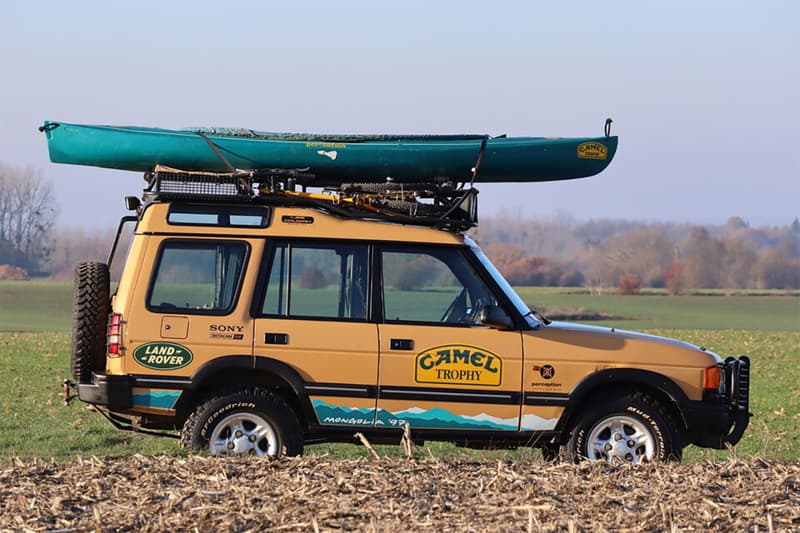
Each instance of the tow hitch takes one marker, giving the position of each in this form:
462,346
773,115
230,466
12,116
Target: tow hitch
68,391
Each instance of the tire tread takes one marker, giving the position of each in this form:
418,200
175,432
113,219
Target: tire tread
91,306
291,435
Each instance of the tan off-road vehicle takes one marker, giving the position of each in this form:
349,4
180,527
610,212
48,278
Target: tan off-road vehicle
253,323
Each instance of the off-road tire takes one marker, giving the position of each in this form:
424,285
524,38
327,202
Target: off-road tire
252,401
637,406
91,306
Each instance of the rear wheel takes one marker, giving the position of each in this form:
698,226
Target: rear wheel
250,421
91,306
632,428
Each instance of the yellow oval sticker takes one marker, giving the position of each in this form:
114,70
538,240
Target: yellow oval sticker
592,150
458,364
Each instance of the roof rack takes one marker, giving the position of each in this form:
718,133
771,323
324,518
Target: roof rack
437,202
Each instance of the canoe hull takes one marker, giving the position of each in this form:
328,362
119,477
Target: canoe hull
333,160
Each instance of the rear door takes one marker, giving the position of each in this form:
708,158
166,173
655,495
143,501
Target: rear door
439,369
312,316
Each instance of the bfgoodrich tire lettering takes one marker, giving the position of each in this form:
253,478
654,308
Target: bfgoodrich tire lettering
90,308
250,421
632,427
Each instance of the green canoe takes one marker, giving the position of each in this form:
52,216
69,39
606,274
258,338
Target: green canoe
332,159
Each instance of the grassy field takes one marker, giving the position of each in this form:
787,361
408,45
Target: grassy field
35,344
46,306
764,313
35,306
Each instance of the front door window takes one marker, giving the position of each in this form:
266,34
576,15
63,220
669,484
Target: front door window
434,286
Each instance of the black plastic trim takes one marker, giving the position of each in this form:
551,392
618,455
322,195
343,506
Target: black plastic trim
292,378
161,383
265,364
450,395
341,389
542,398
111,390
473,438
621,377
229,362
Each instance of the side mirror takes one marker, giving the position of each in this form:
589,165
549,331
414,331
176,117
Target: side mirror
494,317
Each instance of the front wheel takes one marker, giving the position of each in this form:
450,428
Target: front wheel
633,428
250,421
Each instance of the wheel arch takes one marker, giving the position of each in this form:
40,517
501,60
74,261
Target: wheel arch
620,380
246,370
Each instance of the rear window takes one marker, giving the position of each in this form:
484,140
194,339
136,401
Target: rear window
197,277
223,216
317,280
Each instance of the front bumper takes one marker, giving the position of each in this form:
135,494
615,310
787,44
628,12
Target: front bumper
720,421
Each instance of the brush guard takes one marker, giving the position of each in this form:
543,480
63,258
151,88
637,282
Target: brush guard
736,373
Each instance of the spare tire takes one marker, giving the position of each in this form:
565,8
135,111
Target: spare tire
91,305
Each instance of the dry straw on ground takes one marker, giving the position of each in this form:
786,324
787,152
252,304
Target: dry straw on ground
322,494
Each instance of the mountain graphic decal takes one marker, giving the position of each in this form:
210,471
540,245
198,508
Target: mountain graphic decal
437,418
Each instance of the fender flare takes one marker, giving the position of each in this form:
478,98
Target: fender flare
623,377
262,364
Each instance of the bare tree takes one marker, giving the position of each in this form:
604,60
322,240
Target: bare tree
27,212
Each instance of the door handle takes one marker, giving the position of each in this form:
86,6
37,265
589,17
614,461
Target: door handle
401,344
276,338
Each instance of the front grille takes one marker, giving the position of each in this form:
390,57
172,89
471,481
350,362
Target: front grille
737,380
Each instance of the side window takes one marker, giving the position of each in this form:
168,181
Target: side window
317,281
431,285
200,277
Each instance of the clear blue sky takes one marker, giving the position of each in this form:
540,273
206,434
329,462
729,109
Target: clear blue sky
705,95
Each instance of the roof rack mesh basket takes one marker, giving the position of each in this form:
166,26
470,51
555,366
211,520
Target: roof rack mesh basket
168,184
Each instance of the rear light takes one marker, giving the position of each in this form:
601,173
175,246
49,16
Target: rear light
113,337
711,378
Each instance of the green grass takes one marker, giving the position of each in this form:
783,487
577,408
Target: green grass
35,306
761,313
33,423
46,306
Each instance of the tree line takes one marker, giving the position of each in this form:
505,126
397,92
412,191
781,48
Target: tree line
27,212
629,255
555,251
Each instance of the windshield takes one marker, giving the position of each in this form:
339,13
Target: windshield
504,285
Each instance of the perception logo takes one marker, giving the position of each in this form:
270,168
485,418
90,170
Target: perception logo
547,371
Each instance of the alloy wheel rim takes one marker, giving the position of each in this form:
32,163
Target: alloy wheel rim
243,434
622,438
